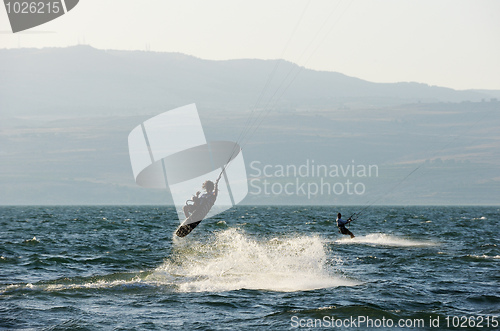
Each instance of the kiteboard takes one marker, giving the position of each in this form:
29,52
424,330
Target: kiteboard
185,229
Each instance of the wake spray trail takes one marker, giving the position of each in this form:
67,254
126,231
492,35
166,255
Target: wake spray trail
232,260
381,239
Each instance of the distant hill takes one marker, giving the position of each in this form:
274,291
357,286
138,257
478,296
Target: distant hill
82,80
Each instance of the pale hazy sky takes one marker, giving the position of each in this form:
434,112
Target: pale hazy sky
452,43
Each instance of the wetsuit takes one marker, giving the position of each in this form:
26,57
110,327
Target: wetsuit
341,225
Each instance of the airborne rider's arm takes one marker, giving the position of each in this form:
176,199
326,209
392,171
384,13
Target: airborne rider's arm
196,198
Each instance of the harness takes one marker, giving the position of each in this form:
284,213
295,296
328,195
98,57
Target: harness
342,228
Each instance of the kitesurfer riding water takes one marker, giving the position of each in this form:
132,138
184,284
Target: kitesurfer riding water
341,225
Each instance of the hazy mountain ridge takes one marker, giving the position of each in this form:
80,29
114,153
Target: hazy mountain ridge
110,82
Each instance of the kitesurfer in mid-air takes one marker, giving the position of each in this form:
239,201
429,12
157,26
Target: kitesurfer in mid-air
341,225
198,207
198,200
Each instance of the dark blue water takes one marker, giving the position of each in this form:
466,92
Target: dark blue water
119,268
